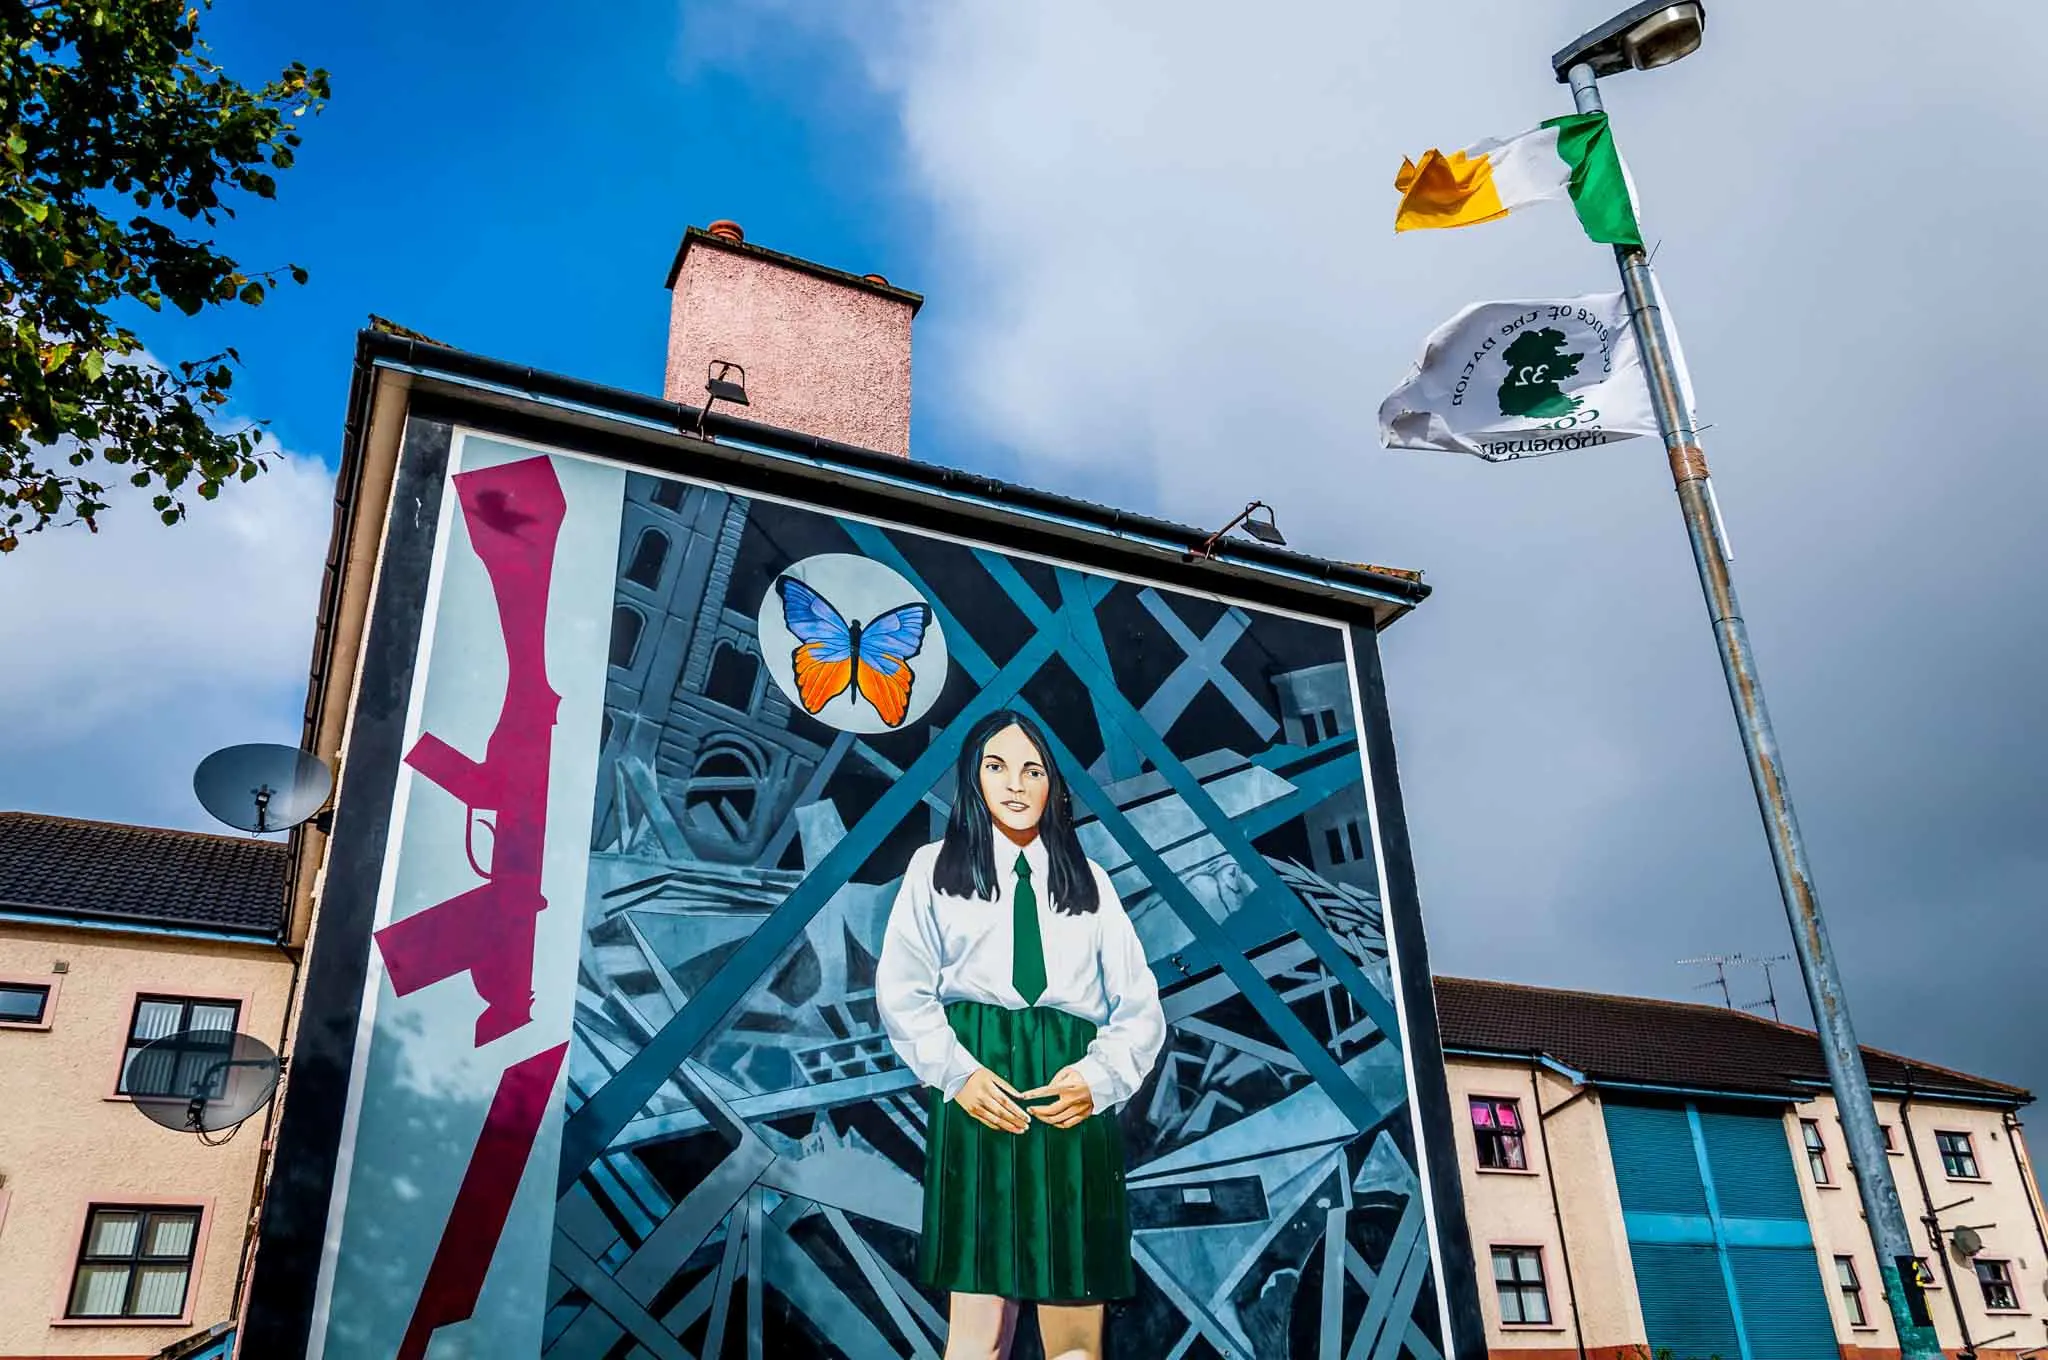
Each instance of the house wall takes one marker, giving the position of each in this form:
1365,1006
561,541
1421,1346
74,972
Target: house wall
1511,1208
1580,1231
2000,1206
67,1141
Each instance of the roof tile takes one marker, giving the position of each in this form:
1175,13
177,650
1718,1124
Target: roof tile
1669,1043
63,866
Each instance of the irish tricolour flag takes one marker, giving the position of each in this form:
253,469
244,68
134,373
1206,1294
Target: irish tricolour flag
1571,157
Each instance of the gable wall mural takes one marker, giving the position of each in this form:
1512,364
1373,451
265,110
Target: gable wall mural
634,1074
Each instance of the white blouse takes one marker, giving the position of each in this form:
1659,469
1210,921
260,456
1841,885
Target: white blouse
939,948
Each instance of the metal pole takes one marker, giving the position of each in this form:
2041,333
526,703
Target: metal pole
1881,1208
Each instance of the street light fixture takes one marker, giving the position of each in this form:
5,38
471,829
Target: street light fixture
1641,38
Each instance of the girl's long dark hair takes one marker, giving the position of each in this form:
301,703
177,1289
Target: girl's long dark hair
967,857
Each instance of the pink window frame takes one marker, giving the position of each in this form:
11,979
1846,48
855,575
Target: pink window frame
242,1000
53,981
1522,1131
69,1276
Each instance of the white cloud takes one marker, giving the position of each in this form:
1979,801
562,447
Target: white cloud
1165,274
133,652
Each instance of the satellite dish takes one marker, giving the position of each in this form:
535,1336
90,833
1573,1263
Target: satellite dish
201,1080
262,786
1966,1242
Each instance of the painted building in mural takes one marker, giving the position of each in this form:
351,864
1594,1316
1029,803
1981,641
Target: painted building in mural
118,1236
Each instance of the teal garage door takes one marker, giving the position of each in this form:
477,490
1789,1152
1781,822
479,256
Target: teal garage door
1724,1257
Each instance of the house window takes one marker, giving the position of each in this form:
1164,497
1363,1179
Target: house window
626,628
668,495
1816,1151
1518,1277
1329,719
192,1063
650,554
1497,1131
1995,1278
1958,1158
23,1004
134,1263
1852,1290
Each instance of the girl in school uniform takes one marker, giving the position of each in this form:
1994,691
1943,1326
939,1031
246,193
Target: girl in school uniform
1012,983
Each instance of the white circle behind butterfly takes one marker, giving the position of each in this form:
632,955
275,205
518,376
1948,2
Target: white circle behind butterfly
825,603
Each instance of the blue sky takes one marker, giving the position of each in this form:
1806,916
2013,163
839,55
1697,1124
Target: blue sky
1155,239
492,181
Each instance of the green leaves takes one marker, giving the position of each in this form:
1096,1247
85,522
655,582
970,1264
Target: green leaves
112,102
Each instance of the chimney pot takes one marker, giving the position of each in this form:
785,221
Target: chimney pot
726,230
876,279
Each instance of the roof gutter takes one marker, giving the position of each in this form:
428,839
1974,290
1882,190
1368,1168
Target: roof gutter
2008,1102
82,920
1571,1075
1701,1092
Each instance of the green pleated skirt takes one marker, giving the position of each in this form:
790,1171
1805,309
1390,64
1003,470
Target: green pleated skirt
1039,1215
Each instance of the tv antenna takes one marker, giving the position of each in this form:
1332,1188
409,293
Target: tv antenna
1719,963
1770,997
262,787
201,1081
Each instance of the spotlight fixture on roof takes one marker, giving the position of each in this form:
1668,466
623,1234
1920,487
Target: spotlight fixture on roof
1640,38
720,385
1264,530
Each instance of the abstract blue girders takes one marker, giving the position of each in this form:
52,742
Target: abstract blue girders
741,1126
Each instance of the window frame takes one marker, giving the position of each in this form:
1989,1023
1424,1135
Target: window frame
2006,1278
118,1090
1850,1286
201,1212
1969,1152
1520,1251
47,985
1482,1133
1815,1144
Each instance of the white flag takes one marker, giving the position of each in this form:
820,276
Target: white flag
1507,380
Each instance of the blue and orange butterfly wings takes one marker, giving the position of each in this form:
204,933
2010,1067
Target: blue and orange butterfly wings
833,655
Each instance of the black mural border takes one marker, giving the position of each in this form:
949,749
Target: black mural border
1427,1077
292,1232
293,1227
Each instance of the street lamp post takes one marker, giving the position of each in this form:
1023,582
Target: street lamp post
1646,36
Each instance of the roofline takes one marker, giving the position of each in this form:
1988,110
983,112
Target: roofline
1995,1093
735,438
2005,1097
19,913
141,826
697,236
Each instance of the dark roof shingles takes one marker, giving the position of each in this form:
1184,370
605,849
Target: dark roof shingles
62,866
1668,1043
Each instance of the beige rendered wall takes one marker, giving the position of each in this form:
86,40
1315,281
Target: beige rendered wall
66,1141
1516,1209
2001,1207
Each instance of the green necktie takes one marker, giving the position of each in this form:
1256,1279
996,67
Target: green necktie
1027,966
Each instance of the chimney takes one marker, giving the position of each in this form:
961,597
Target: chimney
824,351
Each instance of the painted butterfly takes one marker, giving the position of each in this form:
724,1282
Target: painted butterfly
834,656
